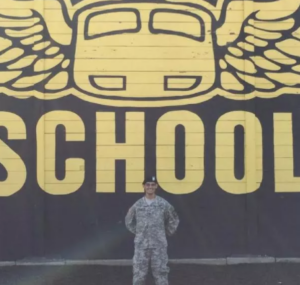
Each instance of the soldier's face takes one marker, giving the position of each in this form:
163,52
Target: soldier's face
150,187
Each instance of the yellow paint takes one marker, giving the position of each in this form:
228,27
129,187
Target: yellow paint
10,55
285,181
260,43
250,39
262,34
239,64
144,56
258,82
108,151
152,69
30,81
24,32
111,22
66,63
276,25
265,63
177,23
279,57
23,62
59,81
253,153
12,162
48,63
246,46
236,51
7,76
194,150
229,82
296,34
36,51
287,78
296,68
9,23
75,131
4,44
13,12
290,46
223,64
41,46
52,50
32,40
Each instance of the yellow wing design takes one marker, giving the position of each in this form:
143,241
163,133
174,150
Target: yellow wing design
30,59
264,58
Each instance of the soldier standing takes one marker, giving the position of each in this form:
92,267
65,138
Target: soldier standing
151,218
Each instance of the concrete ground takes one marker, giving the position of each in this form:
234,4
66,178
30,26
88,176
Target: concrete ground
248,274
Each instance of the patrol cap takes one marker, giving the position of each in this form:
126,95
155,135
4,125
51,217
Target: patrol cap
150,179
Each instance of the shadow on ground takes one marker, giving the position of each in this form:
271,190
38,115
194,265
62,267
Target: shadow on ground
264,274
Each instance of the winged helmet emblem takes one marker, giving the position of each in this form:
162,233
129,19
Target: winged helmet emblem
131,53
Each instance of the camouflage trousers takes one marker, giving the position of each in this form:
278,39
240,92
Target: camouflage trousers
157,258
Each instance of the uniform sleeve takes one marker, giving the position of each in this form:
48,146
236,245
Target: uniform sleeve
172,220
130,220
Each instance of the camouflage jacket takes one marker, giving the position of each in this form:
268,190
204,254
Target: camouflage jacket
151,223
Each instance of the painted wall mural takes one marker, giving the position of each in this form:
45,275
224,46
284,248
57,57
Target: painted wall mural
96,94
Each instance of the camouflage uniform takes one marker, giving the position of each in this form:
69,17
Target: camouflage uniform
150,224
